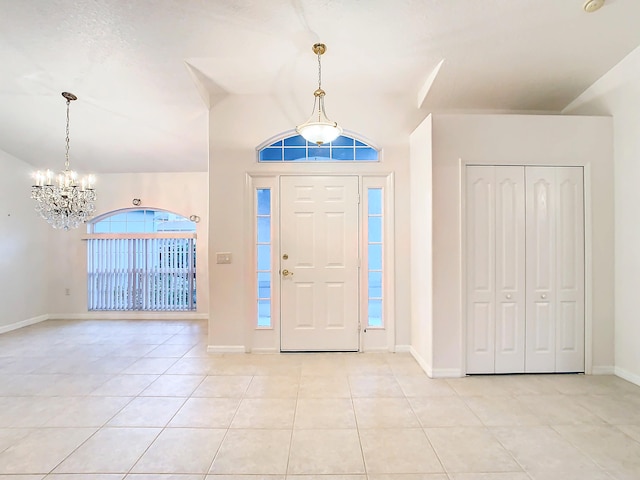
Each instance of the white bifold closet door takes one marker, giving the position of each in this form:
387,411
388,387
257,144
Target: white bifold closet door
525,269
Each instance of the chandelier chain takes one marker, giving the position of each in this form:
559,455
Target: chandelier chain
66,163
319,72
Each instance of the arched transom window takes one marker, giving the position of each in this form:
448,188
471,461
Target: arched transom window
296,149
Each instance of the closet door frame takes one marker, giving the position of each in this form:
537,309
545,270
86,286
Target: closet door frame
588,255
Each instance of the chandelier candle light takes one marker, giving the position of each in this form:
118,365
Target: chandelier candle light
64,201
319,129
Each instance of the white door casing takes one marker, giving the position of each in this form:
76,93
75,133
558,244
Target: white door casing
319,256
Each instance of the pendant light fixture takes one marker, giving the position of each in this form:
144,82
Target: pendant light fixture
319,129
64,201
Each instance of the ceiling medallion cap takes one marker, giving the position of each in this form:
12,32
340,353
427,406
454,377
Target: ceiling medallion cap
319,48
591,6
69,96
319,93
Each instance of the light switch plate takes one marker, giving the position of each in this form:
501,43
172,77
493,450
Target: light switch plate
223,257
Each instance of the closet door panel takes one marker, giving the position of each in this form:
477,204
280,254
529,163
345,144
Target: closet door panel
480,253
541,269
570,270
510,270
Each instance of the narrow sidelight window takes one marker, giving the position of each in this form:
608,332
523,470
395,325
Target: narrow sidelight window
263,256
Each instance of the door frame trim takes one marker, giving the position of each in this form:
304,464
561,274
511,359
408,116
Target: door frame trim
588,255
267,340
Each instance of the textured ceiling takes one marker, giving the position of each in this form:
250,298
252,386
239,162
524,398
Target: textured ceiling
146,71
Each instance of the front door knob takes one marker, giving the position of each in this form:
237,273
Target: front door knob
286,273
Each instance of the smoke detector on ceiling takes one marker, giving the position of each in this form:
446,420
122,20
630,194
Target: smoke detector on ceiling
592,5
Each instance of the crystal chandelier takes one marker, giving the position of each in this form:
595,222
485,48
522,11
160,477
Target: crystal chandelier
319,129
64,200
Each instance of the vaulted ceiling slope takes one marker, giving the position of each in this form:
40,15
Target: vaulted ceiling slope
146,71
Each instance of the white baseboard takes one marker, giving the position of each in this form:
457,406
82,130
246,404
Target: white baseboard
226,349
421,361
129,316
403,348
603,370
23,323
627,375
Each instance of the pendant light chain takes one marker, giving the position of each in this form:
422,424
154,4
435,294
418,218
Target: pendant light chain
66,163
319,72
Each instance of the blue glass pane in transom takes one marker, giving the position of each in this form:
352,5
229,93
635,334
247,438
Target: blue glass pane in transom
319,153
375,313
342,153
101,227
264,229
375,257
361,144
264,313
295,154
276,144
375,201
375,229
264,257
342,141
366,154
375,284
264,201
297,140
264,285
271,155
118,217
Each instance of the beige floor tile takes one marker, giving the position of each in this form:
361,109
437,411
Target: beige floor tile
614,409
608,446
181,450
469,450
27,412
398,451
74,385
320,413
147,412
89,412
331,365
206,413
632,430
223,386
10,436
124,385
324,477
501,411
373,364
173,386
156,476
246,477
403,364
578,475
443,412
84,476
271,413
110,450
590,384
490,476
42,450
482,386
542,449
422,386
234,364
374,386
22,477
325,452
558,409
150,366
384,413
169,350
253,452
191,366
408,476
274,386
328,386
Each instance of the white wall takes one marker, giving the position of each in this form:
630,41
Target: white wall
24,254
518,140
421,245
618,94
233,154
182,193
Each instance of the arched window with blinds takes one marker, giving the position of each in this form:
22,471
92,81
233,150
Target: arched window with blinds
141,259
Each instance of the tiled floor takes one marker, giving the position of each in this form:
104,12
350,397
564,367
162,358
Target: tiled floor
143,400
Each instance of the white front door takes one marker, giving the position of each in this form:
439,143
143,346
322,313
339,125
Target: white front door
319,263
